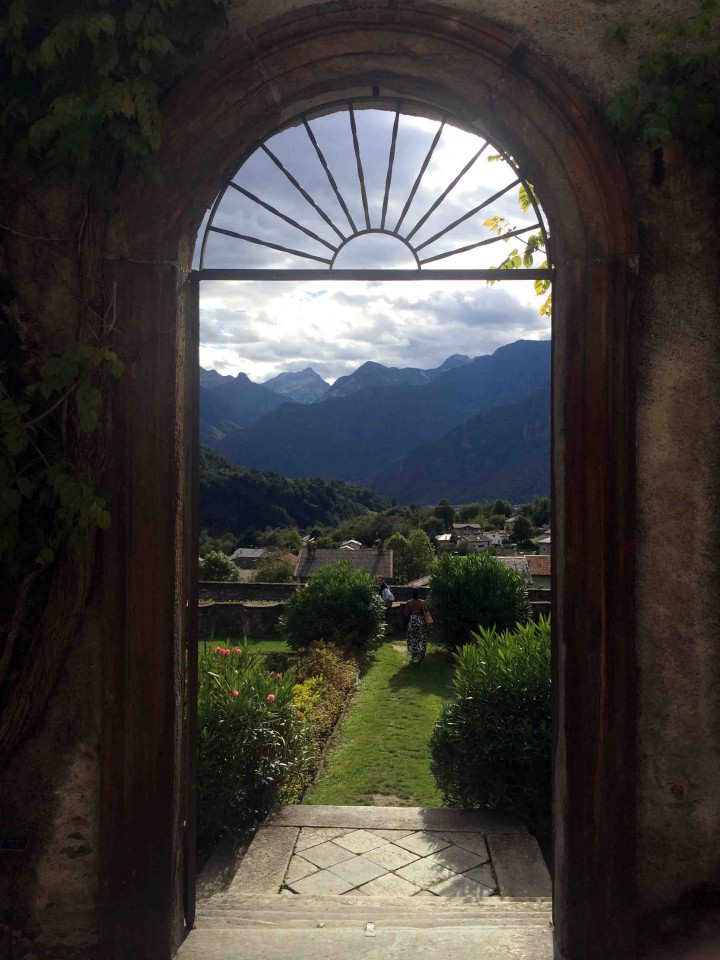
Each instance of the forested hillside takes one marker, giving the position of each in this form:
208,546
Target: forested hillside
235,498
504,451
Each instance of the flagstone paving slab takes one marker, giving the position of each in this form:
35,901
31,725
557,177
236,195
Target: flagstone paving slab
326,854
483,875
422,843
475,842
425,873
392,857
389,885
461,886
358,870
458,859
322,883
392,834
313,836
298,869
360,841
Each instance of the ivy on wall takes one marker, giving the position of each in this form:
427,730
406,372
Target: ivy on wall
81,87
677,96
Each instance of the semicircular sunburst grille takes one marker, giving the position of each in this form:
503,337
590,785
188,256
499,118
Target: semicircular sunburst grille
370,184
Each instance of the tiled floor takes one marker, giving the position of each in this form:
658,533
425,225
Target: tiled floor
390,863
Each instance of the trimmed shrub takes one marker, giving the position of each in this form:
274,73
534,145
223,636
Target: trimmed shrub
253,749
216,565
337,605
273,570
491,746
475,591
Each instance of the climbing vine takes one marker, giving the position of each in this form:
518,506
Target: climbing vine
534,245
81,89
677,96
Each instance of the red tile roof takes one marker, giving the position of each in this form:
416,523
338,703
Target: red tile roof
378,563
539,566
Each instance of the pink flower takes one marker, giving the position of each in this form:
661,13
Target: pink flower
236,693
218,649
238,650
272,673
279,676
270,697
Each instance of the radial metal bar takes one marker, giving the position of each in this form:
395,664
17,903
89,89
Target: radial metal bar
328,276
466,216
481,243
420,175
331,178
283,216
444,194
266,243
361,174
301,190
391,161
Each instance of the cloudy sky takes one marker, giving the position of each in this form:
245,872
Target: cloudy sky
263,327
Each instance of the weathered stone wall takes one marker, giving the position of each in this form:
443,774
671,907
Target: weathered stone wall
53,790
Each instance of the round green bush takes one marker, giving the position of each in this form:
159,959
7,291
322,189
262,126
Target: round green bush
491,746
337,605
475,591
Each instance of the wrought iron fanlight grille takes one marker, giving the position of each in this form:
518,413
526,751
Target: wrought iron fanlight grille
372,167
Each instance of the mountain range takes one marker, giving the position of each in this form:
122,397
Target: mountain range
469,429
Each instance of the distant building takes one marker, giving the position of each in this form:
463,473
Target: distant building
460,528
378,563
351,545
476,542
443,538
540,568
543,545
247,558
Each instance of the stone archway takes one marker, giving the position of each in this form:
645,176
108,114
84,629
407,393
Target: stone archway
244,88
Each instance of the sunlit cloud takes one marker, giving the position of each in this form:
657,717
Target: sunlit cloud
263,328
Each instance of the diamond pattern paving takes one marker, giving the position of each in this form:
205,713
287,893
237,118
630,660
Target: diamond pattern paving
391,863
360,841
422,843
326,854
358,870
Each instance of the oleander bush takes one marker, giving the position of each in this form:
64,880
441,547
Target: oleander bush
491,746
337,605
253,747
474,591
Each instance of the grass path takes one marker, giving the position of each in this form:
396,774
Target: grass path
380,755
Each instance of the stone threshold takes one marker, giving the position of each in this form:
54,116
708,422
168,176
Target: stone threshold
395,818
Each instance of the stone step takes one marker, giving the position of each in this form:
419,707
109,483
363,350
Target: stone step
460,943
351,912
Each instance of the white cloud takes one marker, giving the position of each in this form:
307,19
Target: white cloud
263,328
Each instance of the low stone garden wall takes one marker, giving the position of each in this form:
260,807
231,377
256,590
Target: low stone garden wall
259,618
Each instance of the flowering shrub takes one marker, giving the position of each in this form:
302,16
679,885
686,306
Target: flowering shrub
491,746
336,667
253,748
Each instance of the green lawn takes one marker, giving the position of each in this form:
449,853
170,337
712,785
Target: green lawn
380,755
268,645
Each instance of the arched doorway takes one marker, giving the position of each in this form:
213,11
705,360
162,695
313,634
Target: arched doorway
474,70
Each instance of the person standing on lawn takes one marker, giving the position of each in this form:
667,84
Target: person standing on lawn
416,616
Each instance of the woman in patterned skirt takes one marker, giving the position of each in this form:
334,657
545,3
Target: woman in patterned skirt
415,612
